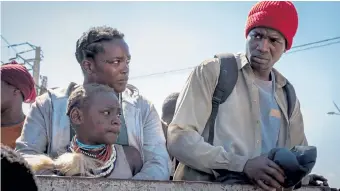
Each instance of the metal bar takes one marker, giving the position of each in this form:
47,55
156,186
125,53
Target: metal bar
25,51
24,60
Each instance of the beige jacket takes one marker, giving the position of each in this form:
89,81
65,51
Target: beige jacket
237,127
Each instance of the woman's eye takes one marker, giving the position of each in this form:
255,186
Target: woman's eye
113,61
118,61
106,113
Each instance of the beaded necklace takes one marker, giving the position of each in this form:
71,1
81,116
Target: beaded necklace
104,153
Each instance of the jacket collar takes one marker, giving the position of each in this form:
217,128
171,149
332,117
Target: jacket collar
131,95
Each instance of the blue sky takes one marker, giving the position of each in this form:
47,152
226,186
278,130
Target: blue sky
172,35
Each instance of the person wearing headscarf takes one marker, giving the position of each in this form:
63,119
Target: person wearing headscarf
17,87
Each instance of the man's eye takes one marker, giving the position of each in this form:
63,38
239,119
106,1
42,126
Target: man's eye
106,113
274,40
277,41
257,36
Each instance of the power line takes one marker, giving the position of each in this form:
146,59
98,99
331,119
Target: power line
299,46
336,106
35,67
165,72
313,47
9,45
317,42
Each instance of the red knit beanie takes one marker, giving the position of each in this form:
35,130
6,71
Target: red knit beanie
19,77
279,15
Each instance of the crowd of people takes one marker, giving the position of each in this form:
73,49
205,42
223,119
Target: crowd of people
233,113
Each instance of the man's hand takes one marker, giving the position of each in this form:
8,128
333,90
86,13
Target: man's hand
313,181
265,173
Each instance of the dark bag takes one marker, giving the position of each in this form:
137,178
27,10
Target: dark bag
226,83
296,163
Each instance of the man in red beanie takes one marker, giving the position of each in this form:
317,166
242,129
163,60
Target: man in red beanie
17,87
236,108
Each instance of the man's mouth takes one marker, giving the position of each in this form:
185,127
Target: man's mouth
260,60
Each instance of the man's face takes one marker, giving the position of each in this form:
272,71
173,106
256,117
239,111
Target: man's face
264,48
7,93
100,122
111,67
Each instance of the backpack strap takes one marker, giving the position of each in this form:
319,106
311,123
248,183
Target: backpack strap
291,98
225,85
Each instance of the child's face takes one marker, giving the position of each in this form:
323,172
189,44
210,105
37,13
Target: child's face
101,122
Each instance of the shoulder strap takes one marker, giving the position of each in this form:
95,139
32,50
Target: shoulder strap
225,85
291,98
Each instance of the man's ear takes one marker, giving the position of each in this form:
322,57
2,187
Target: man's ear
76,116
16,91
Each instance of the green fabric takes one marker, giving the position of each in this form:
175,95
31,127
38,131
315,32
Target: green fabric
123,135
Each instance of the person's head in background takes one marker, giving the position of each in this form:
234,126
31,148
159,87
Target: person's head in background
17,87
15,172
104,57
94,112
168,110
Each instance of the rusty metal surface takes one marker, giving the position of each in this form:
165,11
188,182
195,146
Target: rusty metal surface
48,183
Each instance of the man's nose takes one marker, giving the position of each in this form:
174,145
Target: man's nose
263,45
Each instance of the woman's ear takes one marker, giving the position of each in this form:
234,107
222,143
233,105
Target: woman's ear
76,116
88,66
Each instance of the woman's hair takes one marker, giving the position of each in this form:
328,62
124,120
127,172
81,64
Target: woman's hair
15,172
82,95
90,43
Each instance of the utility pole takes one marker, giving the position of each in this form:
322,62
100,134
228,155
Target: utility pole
36,67
43,87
